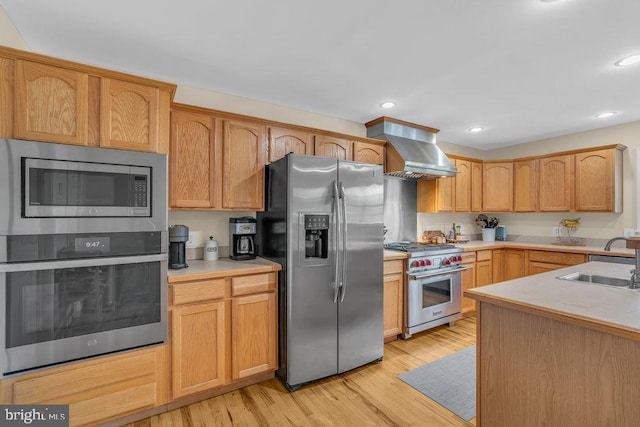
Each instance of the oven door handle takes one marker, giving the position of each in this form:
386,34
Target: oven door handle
436,273
79,263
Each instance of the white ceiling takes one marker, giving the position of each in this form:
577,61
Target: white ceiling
523,69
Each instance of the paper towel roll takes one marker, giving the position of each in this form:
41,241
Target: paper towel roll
195,239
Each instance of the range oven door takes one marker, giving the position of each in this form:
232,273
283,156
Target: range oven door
59,311
433,298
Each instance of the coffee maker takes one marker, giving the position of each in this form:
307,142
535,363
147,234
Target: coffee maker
242,238
178,236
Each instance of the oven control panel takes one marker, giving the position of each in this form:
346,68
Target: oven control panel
429,263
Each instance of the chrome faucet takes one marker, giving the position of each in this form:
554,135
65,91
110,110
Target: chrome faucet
632,243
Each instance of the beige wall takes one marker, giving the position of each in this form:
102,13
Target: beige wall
9,35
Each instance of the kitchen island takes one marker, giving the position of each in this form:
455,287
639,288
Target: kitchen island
557,352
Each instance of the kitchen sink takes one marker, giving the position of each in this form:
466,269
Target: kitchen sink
597,279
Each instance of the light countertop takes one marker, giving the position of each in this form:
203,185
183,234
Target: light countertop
224,267
614,310
477,245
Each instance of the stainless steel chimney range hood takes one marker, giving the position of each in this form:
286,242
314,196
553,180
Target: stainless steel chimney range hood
412,152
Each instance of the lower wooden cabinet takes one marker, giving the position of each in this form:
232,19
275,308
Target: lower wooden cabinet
223,330
198,347
484,268
393,297
514,264
99,389
542,261
468,280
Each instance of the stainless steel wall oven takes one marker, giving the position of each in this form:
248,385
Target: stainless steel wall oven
83,262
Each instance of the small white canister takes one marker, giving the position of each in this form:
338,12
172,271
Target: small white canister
210,250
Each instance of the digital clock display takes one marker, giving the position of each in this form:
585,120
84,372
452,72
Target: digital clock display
92,244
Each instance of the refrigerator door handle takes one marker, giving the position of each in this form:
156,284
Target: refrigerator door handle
336,240
343,283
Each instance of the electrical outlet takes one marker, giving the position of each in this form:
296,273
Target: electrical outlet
556,231
629,232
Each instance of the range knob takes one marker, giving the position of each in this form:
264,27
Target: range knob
446,262
423,263
415,264
428,262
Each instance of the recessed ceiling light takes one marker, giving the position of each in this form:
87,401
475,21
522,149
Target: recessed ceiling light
629,60
605,115
476,129
388,104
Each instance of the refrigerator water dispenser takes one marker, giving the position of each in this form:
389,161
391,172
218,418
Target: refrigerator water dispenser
316,236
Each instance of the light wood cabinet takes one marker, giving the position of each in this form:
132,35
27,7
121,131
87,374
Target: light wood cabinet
393,298
484,267
468,280
224,330
243,159
253,335
336,148
192,165
283,141
129,116
497,265
497,187
436,195
368,153
462,186
476,187
514,263
52,103
557,183
198,347
98,389
598,182
525,185
542,261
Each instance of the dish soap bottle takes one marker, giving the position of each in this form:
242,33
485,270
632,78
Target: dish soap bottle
452,232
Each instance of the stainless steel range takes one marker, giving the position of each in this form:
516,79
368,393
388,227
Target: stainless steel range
433,292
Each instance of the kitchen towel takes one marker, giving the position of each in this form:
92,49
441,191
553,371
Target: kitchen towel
450,381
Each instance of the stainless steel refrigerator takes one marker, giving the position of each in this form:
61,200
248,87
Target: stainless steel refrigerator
323,222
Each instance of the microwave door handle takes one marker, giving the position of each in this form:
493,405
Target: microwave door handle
79,263
336,234
344,242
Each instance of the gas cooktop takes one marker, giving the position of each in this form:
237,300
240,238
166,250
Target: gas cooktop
417,246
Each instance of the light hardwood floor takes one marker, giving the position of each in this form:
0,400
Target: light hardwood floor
370,395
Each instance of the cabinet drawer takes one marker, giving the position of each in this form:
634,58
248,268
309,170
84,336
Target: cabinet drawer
483,255
198,291
565,258
392,267
468,257
245,285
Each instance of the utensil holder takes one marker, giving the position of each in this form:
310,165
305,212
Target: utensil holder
489,234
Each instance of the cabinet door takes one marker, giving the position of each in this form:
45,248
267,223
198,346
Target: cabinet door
468,280
445,194
336,148
51,104
254,335
476,187
497,187
191,160
462,183
497,273
243,157
7,96
393,297
198,347
283,141
368,153
556,183
484,273
536,267
129,116
595,181
514,264
525,186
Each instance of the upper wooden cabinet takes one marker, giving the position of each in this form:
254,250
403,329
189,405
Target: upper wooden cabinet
599,180
192,161
462,182
283,141
243,159
436,195
130,116
329,146
525,185
476,187
556,183
368,153
53,100
52,103
497,187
